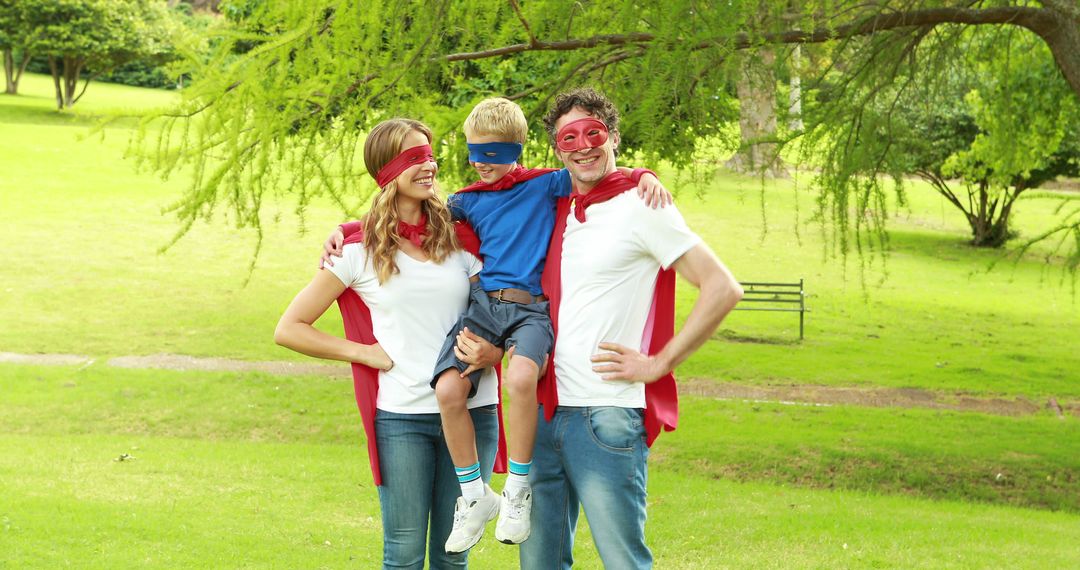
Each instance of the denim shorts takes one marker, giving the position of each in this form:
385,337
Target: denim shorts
504,324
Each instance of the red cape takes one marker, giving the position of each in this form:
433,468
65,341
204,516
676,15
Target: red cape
357,320
518,174
661,397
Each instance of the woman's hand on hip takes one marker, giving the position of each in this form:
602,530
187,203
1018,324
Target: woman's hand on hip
374,356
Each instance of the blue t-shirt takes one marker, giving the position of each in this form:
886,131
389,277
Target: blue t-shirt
514,227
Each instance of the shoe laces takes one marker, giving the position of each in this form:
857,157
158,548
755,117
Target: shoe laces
517,505
460,513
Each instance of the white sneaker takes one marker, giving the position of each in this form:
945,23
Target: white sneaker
514,516
469,520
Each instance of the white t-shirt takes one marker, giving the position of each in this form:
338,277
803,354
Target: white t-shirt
609,268
410,316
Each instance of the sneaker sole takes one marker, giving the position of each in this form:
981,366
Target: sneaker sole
491,516
507,540
512,542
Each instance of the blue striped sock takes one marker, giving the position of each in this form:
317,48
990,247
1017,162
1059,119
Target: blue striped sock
472,486
517,476
519,468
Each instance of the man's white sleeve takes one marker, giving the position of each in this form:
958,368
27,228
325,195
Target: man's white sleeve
663,233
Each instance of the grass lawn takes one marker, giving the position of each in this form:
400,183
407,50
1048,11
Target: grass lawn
253,470
250,470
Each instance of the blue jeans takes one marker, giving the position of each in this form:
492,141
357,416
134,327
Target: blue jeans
420,487
593,458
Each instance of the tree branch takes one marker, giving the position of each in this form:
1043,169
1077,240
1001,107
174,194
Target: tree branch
528,30
1059,31
85,85
562,81
567,45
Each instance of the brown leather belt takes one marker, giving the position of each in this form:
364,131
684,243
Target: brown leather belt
518,296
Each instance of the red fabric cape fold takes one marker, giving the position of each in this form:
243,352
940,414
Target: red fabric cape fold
357,320
661,397
515,176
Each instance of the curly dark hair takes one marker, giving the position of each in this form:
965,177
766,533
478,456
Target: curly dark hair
589,99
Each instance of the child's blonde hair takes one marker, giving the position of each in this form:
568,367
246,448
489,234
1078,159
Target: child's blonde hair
497,117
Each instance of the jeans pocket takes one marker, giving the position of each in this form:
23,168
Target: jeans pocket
614,428
488,410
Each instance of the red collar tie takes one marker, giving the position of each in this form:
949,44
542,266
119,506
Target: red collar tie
414,233
612,185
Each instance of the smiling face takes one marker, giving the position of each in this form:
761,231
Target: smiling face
417,182
488,172
587,166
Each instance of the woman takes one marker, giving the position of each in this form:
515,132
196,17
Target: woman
412,276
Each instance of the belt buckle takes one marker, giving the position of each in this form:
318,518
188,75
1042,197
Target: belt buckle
500,297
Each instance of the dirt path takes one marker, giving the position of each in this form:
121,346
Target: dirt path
873,397
793,394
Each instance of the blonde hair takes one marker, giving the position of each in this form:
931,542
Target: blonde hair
497,117
381,240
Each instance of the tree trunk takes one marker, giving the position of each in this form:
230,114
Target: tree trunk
69,84
56,83
19,73
72,69
65,74
1063,38
9,73
795,93
989,227
13,73
756,90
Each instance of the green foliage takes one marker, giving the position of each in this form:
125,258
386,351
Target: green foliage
281,105
12,22
93,35
1024,112
96,30
165,69
140,73
984,109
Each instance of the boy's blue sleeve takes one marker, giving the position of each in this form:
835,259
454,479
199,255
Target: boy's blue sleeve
560,183
457,208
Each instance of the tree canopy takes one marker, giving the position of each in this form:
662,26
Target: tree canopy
984,117
99,35
284,100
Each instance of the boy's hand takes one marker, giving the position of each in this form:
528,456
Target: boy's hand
653,192
332,247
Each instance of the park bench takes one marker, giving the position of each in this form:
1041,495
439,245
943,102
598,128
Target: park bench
781,297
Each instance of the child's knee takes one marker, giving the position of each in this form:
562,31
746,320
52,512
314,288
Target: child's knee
451,389
521,377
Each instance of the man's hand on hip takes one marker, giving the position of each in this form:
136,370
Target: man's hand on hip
625,364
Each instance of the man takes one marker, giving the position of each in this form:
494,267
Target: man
611,295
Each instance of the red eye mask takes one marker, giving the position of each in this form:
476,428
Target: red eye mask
402,162
581,134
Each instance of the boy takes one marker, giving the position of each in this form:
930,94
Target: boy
512,210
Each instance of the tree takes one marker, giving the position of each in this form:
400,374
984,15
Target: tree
284,102
98,35
12,38
986,131
759,151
